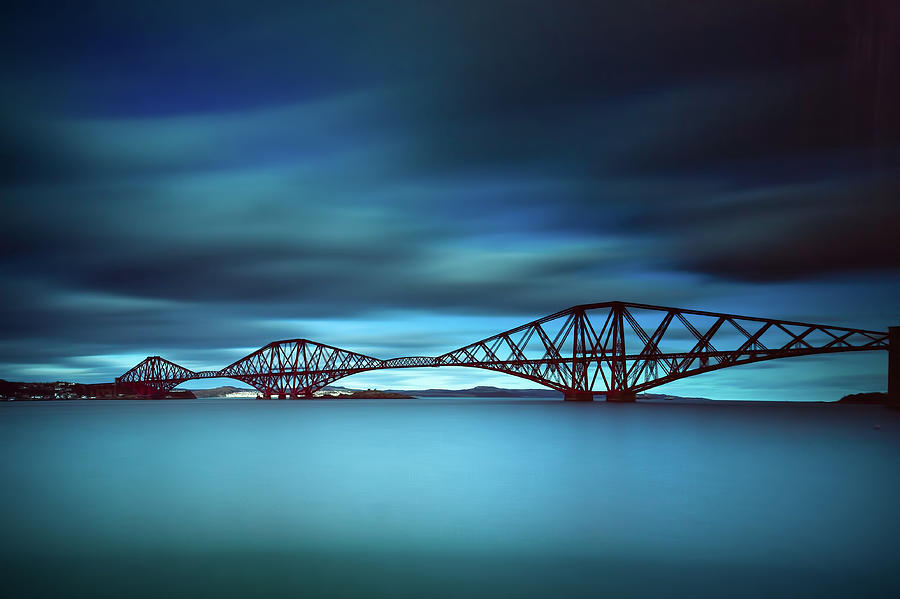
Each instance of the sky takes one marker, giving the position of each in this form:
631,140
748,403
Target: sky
196,179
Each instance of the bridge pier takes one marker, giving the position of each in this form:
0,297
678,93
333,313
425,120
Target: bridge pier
621,396
893,398
573,395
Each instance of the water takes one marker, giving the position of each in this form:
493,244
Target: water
447,498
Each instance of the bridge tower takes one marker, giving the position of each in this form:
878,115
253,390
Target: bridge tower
618,388
894,367
580,388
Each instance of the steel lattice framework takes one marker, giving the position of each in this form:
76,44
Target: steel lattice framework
614,348
156,374
297,367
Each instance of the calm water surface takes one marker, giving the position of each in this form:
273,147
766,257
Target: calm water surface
447,498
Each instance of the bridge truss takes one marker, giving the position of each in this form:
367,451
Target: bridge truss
617,349
155,375
298,367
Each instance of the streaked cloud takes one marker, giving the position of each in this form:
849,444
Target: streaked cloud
194,181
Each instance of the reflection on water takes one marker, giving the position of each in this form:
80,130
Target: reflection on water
447,498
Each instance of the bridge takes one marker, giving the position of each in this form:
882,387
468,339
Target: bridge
616,349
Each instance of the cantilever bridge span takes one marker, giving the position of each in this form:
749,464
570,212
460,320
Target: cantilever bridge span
617,349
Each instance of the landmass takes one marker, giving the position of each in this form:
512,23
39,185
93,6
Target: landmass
488,391
224,391
231,392
368,394
62,390
865,399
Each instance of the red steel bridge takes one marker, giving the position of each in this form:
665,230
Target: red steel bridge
616,349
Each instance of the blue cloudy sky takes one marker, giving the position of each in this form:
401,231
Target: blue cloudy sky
195,179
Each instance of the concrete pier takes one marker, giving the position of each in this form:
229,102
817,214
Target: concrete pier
621,396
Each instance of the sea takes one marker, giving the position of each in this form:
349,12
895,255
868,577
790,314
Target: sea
461,497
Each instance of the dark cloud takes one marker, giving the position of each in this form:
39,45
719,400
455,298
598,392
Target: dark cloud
203,177
790,232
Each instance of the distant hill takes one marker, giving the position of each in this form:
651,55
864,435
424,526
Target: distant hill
218,391
864,398
487,391
479,391
64,390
